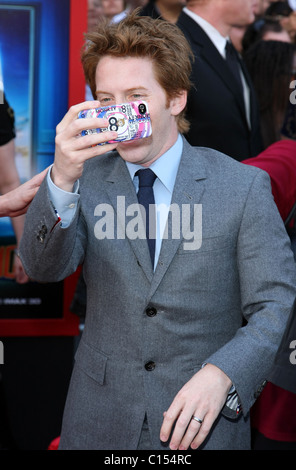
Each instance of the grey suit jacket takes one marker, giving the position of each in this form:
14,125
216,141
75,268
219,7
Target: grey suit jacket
147,333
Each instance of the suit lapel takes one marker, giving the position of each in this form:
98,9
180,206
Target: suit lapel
188,191
216,61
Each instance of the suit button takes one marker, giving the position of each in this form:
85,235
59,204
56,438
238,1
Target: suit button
151,311
150,366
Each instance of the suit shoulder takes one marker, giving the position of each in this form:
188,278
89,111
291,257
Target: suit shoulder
221,165
186,23
193,32
100,165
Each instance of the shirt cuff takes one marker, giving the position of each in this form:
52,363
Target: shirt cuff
233,403
64,202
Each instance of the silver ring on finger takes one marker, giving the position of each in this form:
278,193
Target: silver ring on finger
200,421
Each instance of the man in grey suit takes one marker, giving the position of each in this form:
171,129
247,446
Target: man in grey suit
175,351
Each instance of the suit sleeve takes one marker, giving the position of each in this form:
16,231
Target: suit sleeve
267,282
50,252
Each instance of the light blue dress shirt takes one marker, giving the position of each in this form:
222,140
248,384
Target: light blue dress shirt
165,168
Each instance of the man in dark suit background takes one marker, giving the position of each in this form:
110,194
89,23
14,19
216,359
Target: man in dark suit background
223,114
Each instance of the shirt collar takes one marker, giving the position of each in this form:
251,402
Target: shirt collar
217,39
165,167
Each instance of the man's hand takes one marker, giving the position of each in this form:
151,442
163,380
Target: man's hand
72,149
203,396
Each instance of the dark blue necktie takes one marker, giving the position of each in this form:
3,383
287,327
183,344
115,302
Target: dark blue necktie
233,63
146,198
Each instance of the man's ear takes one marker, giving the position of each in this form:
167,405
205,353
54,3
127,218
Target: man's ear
178,103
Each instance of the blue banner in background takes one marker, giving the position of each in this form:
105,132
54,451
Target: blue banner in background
34,52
